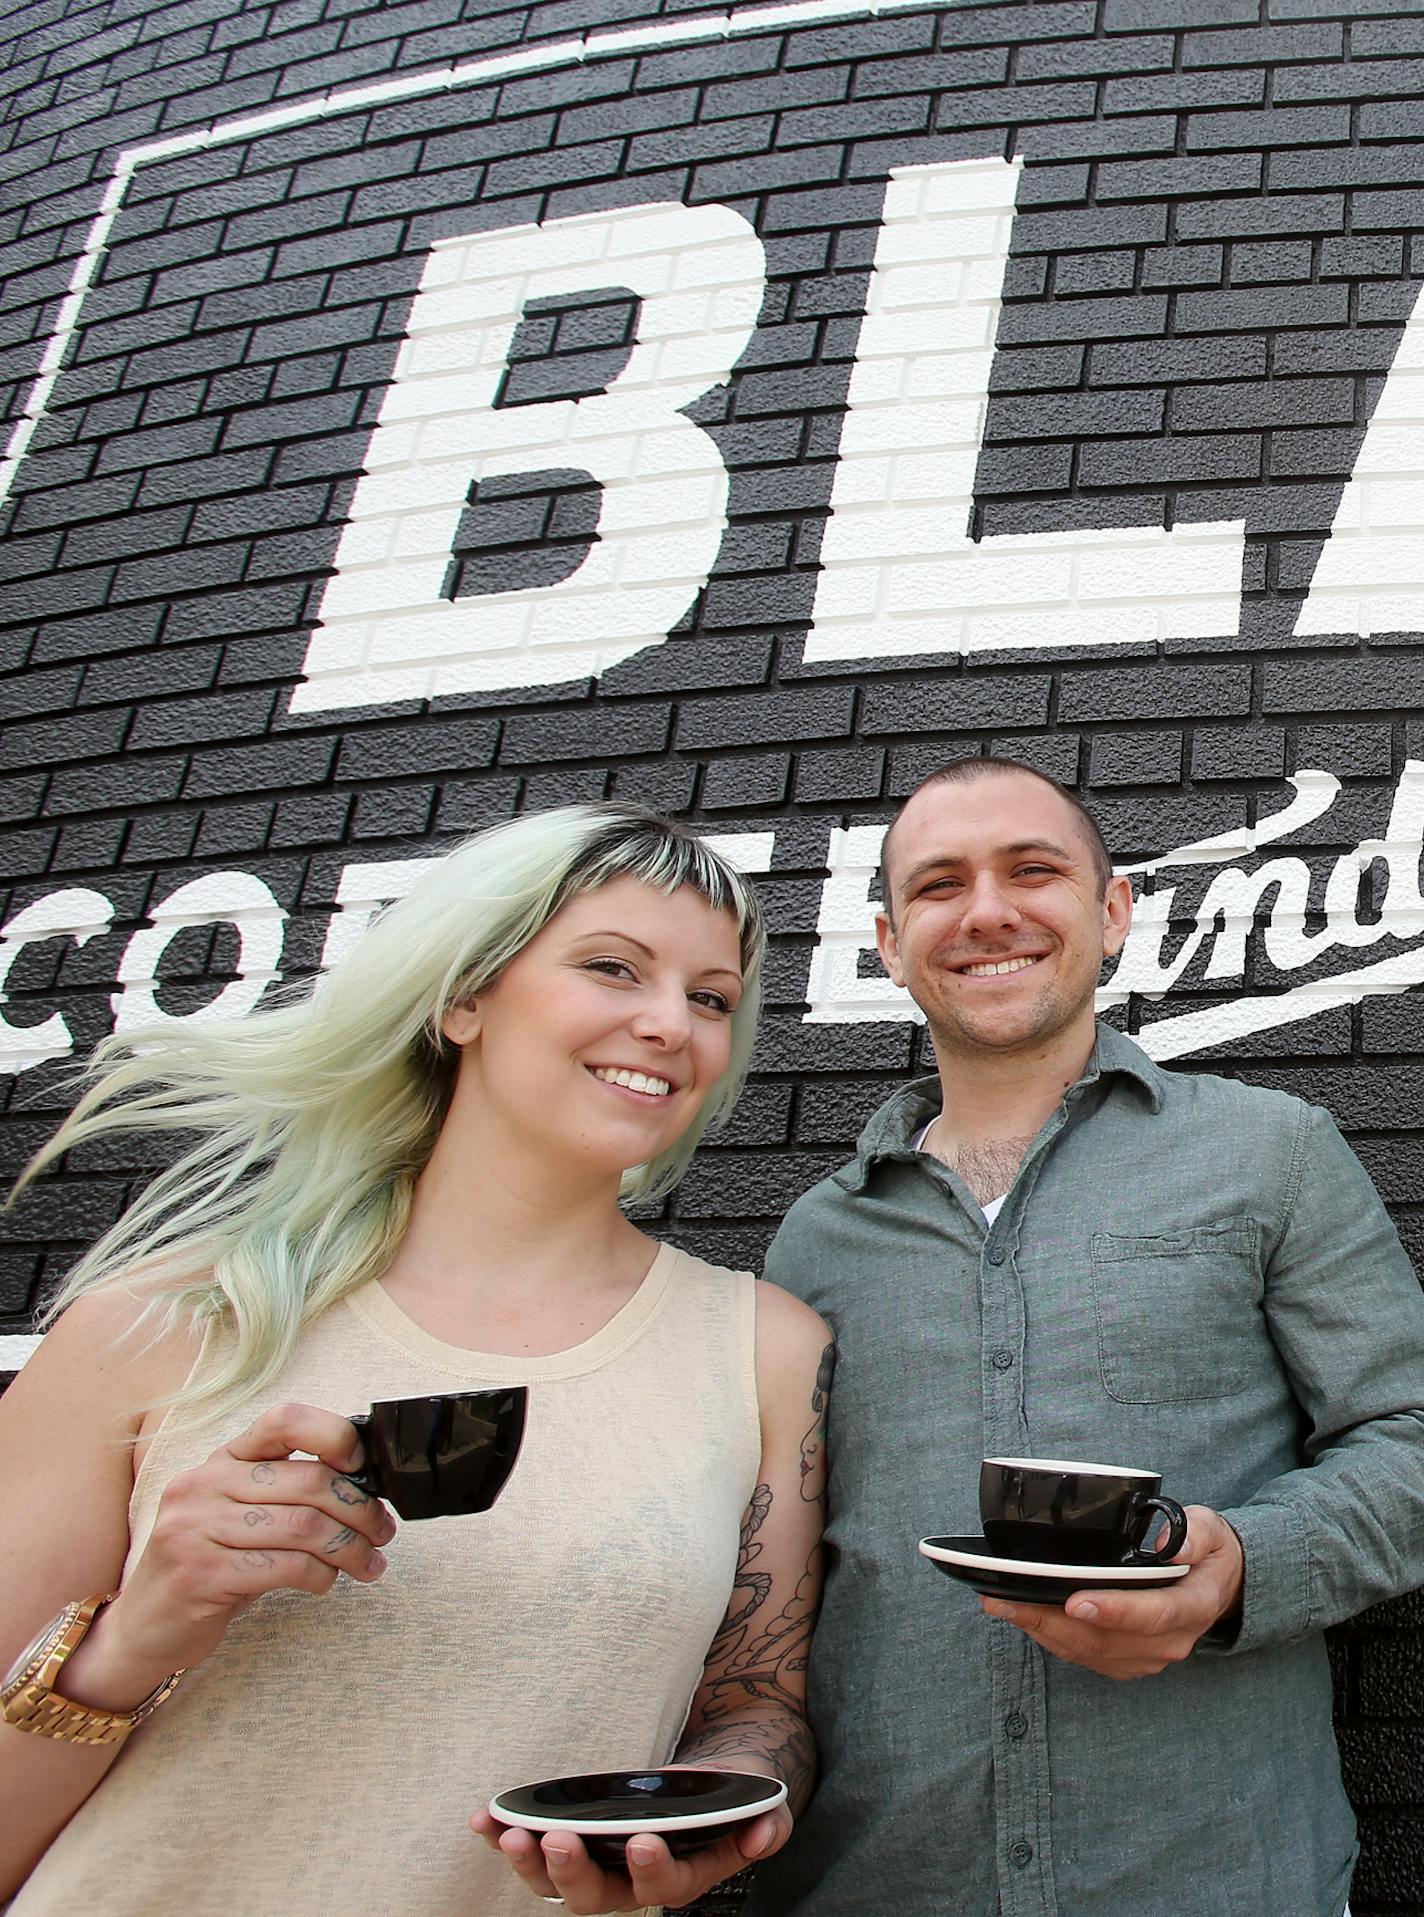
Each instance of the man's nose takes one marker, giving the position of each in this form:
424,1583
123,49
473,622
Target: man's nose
988,905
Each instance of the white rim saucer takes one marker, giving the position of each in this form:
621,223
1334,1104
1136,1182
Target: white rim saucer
633,1823
1026,1567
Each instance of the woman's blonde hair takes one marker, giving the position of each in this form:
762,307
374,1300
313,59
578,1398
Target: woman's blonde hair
315,1114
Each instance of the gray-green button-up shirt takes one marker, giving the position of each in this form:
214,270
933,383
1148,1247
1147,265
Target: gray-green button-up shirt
1190,1275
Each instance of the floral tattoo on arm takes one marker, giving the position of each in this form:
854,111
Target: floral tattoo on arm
754,1680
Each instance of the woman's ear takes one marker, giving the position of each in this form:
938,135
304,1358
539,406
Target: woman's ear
461,1023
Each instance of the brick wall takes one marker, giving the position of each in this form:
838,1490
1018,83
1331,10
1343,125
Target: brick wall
1030,377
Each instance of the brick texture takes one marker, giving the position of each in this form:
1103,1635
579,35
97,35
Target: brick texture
1208,276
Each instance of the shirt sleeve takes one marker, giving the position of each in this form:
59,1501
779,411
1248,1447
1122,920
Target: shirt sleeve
1346,1312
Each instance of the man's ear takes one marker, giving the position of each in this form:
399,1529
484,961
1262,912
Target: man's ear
888,947
1117,915
461,1023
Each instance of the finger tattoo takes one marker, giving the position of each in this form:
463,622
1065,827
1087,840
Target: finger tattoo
257,1515
347,1492
263,1474
259,1557
341,1540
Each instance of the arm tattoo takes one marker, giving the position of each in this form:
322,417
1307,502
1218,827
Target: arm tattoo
347,1492
750,1703
813,1445
751,1661
263,1474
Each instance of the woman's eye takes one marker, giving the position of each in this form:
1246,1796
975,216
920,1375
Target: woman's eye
714,1001
609,967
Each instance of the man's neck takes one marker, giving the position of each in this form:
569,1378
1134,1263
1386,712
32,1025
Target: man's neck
991,1095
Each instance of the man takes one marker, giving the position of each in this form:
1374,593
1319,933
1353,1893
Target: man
1058,1249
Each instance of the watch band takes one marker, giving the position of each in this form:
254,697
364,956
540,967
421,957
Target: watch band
30,1702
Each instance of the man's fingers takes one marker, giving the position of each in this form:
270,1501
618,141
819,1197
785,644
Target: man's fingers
1139,1613
285,1428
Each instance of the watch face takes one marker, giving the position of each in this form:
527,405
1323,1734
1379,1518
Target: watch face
31,1652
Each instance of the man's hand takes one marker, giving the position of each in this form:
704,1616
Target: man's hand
1127,1633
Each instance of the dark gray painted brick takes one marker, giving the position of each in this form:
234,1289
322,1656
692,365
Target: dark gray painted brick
754,780
766,718
1239,752
593,732
1135,758
1280,402
1072,414
1262,306
1174,692
430,746
1338,685
958,704
1148,461
1146,362
1230,218
393,811
272,767
1358,752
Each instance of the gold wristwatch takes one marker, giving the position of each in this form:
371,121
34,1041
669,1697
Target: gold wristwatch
29,1701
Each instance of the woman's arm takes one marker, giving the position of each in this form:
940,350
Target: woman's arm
750,1709
68,1425
749,1712
250,1519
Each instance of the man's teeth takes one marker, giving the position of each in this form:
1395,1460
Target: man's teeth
994,966
635,1081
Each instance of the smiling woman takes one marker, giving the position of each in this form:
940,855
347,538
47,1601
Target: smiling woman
403,1184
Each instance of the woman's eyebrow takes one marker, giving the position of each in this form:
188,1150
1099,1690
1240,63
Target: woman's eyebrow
613,932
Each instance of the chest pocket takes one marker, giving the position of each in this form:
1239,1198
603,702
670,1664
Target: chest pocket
1177,1312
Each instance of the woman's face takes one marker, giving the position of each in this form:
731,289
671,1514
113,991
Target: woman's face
609,1029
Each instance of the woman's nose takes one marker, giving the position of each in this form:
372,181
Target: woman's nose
664,1018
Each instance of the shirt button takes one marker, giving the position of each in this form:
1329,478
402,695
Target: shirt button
1003,1360
1015,1723
997,1255
1020,1853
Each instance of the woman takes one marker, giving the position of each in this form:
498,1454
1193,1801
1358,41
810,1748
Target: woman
407,1183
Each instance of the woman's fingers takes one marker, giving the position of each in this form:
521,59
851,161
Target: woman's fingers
285,1428
289,1530
266,1482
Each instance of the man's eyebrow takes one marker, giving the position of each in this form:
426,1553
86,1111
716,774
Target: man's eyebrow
939,861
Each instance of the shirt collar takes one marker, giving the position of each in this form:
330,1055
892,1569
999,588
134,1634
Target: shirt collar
907,1111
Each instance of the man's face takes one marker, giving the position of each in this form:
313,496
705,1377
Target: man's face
997,921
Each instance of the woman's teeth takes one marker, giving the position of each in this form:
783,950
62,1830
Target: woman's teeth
994,966
635,1081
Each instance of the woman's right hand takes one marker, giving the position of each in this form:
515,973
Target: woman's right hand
250,1519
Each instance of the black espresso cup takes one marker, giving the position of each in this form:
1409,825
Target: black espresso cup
444,1456
1055,1512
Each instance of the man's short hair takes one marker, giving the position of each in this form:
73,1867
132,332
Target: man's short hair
964,771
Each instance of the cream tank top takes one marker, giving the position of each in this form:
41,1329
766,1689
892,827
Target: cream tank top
326,1758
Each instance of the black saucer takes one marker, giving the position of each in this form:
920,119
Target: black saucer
689,1809
970,1561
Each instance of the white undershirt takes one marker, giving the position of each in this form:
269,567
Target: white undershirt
993,1207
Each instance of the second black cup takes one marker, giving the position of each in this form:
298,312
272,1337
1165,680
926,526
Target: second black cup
1055,1511
442,1456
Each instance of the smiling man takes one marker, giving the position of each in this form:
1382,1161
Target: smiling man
1055,1248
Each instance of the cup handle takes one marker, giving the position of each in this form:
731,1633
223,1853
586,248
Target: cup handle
366,1475
1176,1531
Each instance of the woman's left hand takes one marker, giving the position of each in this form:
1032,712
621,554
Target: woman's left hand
560,1867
